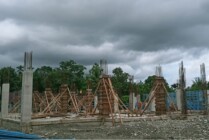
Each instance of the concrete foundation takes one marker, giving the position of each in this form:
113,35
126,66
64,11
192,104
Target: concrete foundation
5,100
16,124
26,96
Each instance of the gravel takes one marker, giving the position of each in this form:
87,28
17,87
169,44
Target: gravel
192,128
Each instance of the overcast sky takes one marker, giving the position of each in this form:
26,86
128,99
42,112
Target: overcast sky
136,35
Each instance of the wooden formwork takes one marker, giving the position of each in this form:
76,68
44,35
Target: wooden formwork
16,105
88,102
159,94
108,102
73,105
64,98
37,101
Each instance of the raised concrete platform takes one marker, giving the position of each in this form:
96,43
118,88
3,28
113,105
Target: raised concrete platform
13,121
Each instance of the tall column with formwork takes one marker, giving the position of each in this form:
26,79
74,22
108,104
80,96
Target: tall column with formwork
5,100
131,94
106,97
204,88
105,92
159,92
27,87
64,98
160,96
182,85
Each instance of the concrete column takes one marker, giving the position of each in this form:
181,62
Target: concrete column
152,105
208,95
116,105
95,101
131,101
5,100
26,96
178,98
134,102
138,100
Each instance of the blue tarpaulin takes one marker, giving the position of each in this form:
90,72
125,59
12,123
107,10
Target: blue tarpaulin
5,134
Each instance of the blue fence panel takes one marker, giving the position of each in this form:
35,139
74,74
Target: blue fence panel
171,99
194,99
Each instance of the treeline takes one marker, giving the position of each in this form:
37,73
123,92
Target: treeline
74,74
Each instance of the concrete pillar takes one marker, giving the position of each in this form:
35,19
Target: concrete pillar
138,100
208,95
152,105
116,105
131,101
134,102
178,98
26,96
95,101
5,100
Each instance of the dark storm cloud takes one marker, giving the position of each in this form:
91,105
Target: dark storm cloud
138,25
134,34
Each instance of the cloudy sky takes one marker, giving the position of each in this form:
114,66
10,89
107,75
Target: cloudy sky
136,35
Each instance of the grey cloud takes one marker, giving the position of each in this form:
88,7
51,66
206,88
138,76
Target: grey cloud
138,25
138,33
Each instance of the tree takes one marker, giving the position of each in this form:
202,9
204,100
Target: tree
146,86
197,84
41,78
120,81
72,73
93,77
9,75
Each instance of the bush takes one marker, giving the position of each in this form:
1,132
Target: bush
125,99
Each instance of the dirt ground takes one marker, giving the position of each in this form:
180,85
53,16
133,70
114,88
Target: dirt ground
193,128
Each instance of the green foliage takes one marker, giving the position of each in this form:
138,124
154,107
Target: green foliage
71,73
10,75
41,78
197,84
146,86
93,77
120,81
125,99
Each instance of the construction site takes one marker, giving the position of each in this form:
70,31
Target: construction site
102,114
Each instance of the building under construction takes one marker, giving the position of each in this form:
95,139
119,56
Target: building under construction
34,109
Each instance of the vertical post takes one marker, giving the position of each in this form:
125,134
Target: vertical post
95,101
131,94
104,67
26,97
158,71
5,100
178,99
182,85
27,87
152,105
204,88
